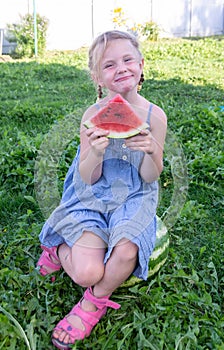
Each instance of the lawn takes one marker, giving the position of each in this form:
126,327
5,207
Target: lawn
42,101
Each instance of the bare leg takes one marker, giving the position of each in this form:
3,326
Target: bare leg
85,266
118,268
84,261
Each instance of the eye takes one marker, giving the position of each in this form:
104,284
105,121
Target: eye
128,59
108,65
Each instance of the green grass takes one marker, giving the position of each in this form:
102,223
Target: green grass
180,308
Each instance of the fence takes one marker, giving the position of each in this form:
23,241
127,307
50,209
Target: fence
72,25
187,18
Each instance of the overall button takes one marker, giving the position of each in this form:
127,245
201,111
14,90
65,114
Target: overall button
123,145
124,157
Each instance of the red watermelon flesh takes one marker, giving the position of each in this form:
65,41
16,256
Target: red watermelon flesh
119,118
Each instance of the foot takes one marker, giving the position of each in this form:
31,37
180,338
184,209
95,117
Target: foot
49,269
79,323
49,261
75,321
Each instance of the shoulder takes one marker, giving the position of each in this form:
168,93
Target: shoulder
93,109
158,115
89,112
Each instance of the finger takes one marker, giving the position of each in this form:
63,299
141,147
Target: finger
95,133
99,143
141,140
101,132
145,132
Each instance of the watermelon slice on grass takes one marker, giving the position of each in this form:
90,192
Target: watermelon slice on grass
119,118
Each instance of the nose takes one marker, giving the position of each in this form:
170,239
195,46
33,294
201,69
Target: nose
121,67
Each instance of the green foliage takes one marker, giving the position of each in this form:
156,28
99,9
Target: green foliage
23,34
149,30
183,306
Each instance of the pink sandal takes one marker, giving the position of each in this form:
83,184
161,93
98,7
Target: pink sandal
89,319
46,261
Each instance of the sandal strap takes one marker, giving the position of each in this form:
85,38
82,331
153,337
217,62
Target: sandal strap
74,333
89,318
51,251
51,265
45,260
100,302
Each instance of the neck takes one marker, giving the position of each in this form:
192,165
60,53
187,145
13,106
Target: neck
132,96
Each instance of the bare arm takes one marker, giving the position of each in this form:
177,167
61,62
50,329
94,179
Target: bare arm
93,143
152,143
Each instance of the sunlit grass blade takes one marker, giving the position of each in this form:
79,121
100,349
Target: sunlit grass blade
18,326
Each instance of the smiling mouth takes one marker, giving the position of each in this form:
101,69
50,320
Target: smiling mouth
122,78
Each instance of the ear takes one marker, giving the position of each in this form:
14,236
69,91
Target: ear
97,80
94,78
141,63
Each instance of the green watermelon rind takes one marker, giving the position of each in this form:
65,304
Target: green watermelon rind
120,135
159,255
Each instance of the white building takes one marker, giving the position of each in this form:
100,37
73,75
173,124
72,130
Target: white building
73,24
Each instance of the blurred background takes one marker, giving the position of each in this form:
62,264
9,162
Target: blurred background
73,24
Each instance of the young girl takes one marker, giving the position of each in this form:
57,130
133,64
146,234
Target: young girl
104,229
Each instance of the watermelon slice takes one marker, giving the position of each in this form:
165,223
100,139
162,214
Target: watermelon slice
119,118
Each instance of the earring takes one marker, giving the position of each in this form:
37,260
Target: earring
140,82
100,92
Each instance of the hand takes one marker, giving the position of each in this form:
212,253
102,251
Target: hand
144,141
98,140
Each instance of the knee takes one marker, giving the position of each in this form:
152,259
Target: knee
126,251
88,275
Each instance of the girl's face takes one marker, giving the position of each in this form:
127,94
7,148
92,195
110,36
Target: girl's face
121,67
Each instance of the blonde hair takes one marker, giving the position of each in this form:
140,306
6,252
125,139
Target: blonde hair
99,46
